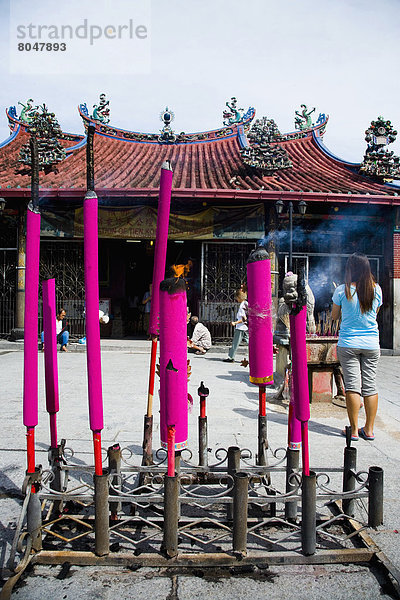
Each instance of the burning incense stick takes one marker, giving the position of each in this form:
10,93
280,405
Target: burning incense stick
259,294
326,326
30,398
160,257
260,318
173,365
160,250
95,396
50,356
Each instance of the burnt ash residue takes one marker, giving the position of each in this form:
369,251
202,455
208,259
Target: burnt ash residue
257,254
215,574
173,285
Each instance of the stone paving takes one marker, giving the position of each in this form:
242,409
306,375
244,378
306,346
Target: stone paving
232,412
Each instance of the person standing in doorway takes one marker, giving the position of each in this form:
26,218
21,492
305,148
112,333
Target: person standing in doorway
240,325
357,302
147,308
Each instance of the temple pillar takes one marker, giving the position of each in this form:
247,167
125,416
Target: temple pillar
21,241
18,332
396,292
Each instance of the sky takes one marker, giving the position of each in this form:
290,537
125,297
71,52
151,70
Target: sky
339,56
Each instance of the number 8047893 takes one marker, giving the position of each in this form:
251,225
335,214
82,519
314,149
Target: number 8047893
42,47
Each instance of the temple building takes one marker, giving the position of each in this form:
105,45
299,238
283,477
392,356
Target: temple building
226,186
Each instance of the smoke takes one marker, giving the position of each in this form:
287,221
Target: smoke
265,313
275,237
327,240
354,226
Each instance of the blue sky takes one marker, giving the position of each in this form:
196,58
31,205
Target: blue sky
341,56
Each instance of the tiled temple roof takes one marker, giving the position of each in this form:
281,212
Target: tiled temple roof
204,164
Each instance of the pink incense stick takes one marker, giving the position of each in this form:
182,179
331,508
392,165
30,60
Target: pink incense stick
93,355
173,362
260,317
300,377
50,355
30,397
160,249
299,364
294,425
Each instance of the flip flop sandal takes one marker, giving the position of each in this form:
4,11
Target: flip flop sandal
354,438
364,436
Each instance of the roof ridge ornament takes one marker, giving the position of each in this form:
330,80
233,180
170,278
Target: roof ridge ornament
84,110
261,154
167,135
28,111
379,162
101,111
303,119
234,114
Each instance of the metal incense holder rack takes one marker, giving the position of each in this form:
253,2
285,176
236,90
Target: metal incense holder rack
207,514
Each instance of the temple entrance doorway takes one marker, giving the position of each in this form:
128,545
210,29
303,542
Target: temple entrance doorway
223,272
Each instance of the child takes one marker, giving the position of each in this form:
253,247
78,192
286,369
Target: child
240,325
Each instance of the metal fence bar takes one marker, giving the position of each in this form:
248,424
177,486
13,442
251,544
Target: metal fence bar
217,317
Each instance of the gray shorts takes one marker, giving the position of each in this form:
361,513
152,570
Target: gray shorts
359,369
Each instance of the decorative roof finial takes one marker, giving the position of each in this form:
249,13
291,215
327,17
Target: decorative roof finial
234,114
264,130
28,111
45,127
379,162
101,112
264,153
167,136
303,119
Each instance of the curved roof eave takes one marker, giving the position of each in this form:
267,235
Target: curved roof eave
11,137
354,167
21,125
77,146
17,126
317,138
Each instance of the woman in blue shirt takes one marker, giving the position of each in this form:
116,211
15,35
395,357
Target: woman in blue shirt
357,302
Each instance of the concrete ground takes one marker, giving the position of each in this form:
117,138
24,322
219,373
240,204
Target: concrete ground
232,412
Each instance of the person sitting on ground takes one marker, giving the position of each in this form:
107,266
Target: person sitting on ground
189,325
200,341
61,331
